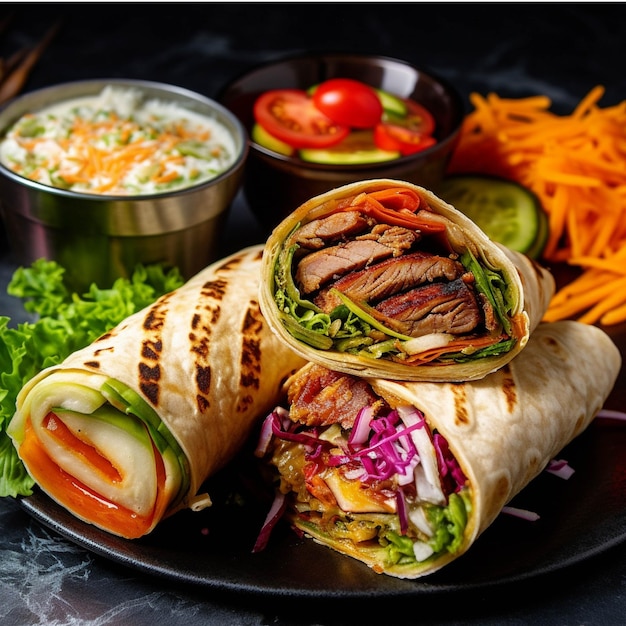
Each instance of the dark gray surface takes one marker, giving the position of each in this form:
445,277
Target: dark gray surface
561,50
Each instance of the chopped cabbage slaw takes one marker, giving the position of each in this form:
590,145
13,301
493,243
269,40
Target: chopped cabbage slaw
118,143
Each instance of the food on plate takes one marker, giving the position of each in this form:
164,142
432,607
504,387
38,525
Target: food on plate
341,121
383,278
118,143
405,476
124,432
575,165
506,211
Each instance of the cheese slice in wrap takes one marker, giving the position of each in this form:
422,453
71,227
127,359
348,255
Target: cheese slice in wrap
382,278
124,432
405,476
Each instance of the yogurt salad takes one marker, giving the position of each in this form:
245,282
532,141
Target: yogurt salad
118,143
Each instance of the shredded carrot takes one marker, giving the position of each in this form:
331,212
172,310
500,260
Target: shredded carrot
615,316
575,165
79,498
93,148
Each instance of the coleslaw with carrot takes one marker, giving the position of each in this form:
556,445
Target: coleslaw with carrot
117,143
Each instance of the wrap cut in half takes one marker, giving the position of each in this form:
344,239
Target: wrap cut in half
382,278
124,432
404,476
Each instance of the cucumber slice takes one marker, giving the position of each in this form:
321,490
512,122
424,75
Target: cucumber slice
357,148
506,211
265,139
391,104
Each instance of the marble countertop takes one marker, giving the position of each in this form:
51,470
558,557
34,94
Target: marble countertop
561,50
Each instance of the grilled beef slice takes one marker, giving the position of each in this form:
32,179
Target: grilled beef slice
321,397
439,307
382,242
413,292
390,277
336,227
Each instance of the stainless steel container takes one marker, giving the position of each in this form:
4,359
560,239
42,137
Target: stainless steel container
99,238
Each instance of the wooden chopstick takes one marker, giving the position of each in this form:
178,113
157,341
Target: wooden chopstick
20,64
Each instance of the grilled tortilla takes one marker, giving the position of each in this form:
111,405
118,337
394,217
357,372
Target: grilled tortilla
125,431
382,278
405,476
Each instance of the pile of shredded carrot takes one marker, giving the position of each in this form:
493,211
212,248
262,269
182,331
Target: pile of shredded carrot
576,166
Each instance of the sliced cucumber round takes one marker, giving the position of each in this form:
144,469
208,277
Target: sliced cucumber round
357,148
506,211
263,138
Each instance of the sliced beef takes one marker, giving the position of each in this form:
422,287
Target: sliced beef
318,233
390,277
398,238
489,315
320,267
320,397
451,307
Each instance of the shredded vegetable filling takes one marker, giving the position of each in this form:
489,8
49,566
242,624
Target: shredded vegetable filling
117,143
387,485
379,282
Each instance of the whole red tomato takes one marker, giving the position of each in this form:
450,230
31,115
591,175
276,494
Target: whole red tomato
348,102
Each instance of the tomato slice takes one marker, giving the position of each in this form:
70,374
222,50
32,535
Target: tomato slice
291,116
418,118
348,102
401,139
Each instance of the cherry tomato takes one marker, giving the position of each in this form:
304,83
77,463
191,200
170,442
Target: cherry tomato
401,139
291,116
348,102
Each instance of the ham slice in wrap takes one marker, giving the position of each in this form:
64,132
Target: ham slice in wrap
405,476
124,432
382,278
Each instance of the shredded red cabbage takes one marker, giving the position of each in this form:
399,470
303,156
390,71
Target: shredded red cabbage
278,423
361,428
560,468
525,514
452,475
377,449
402,511
390,449
615,415
275,513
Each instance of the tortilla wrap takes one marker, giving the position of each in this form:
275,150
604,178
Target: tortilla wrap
125,431
382,278
359,491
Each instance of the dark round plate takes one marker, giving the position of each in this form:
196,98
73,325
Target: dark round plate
579,518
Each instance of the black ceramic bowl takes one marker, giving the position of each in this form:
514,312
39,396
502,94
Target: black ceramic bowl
274,184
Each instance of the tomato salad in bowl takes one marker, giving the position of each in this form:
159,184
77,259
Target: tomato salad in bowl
320,121
341,121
